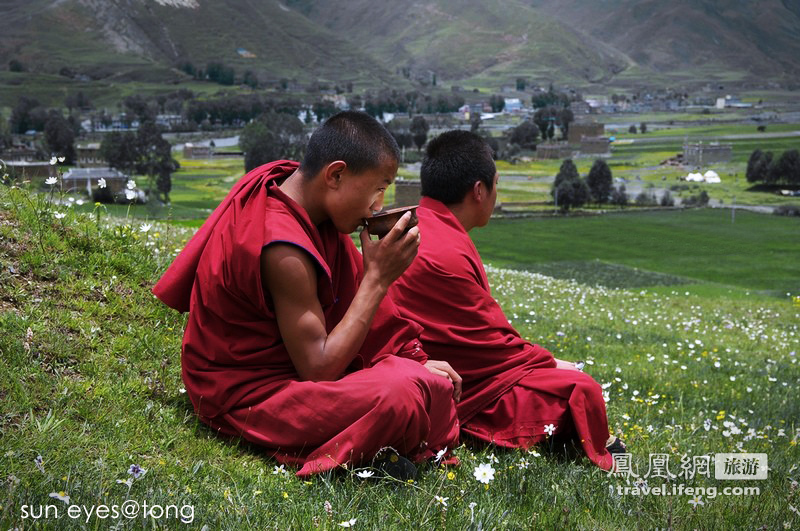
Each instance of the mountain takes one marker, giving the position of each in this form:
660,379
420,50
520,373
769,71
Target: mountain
575,40
463,39
147,38
483,43
730,38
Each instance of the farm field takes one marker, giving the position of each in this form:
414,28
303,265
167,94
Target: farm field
758,252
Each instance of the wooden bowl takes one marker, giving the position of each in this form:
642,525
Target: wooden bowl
381,223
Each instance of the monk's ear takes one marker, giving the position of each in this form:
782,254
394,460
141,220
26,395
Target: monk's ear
332,173
477,191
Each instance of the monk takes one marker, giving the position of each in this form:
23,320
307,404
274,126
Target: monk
514,393
291,342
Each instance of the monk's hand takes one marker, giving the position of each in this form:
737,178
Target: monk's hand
561,364
386,259
443,369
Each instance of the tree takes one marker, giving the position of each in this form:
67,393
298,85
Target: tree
60,136
759,166
524,135
521,84
619,196
564,118
145,152
493,143
250,79
15,65
77,101
419,129
28,114
632,129
549,98
219,73
120,150
139,107
569,190
5,133
787,168
475,122
643,128
497,103
154,158
600,181
544,119
273,136
324,109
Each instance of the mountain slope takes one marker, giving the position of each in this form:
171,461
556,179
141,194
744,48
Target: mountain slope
460,39
104,36
744,37
479,42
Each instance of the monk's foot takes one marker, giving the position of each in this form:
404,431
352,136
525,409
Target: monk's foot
617,446
394,465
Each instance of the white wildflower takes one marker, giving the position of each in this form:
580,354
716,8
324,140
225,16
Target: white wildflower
484,473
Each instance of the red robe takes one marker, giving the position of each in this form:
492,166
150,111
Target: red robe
237,371
511,388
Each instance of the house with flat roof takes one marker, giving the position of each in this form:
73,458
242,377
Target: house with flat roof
86,180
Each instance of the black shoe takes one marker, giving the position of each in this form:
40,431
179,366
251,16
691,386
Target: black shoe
392,464
617,447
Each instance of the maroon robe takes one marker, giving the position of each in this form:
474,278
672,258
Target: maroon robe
511,388
237,371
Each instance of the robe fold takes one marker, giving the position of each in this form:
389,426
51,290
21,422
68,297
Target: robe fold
511,389
235,366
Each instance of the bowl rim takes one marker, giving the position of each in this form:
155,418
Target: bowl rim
383,213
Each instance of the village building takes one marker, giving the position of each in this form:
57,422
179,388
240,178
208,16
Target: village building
85,180
407,192
553,151
513,105
197,151
19,153
699,154
31,170
89,156
580,108
595,145
578,130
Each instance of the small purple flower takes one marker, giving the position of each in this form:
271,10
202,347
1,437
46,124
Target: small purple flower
136,471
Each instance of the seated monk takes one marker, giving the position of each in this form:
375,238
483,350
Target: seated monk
290,341
512,390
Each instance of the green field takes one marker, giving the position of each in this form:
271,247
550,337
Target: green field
757,252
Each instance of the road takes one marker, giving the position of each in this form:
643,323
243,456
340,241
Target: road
740,136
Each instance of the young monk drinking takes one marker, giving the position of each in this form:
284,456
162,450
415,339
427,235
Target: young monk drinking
514,393
290,341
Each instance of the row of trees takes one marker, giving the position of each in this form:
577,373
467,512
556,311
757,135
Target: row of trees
145,152
59,131
544,123
763,167
570,190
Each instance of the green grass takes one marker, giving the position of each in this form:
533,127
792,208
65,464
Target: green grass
758,251
90,381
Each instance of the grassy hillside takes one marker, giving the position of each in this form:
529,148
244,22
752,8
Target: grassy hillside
142,41
495,41
722,40
90,385
483,45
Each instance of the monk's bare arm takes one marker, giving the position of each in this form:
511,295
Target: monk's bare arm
290,278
